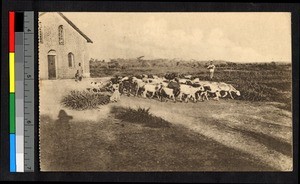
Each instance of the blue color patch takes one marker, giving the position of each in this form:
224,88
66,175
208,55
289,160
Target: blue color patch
12,143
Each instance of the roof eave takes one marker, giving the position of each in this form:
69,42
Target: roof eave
75,27
72,25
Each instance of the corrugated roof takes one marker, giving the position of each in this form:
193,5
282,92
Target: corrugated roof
73,25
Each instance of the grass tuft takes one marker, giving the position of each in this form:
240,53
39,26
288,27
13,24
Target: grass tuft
82,100
140,116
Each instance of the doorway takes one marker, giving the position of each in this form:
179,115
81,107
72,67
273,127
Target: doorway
51,65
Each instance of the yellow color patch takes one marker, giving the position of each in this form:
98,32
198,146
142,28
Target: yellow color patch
11,72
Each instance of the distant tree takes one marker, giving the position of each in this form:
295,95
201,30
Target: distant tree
139,59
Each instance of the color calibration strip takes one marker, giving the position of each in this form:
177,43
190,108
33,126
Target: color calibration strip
21,88
12,123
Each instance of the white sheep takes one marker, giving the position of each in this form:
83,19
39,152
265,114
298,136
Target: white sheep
190,91
152,88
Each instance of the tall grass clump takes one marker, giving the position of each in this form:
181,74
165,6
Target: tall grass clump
82,100
140,116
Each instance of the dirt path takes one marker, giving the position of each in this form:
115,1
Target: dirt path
227,122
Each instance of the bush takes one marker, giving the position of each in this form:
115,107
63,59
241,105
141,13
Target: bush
140,116
81,100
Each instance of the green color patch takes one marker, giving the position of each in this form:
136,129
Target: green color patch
12,113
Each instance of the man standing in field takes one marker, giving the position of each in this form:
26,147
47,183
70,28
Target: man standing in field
211,69
79,73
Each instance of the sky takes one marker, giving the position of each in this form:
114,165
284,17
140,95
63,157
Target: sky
236,37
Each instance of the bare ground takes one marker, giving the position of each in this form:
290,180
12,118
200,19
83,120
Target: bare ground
227,135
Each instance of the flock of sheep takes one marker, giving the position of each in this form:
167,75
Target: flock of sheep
183,88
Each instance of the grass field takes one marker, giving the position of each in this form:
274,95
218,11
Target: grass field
225,135
251,133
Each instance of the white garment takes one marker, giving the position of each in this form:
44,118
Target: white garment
211,68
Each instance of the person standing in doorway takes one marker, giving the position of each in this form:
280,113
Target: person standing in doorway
211,69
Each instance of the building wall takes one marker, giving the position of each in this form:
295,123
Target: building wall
73,42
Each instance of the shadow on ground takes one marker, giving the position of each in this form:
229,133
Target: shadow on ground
115,145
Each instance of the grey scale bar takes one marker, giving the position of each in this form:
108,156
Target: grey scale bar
29,122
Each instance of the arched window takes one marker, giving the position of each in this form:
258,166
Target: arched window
41,36
71,59
61,35
52,52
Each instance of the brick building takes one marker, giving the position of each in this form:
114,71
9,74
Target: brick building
62,46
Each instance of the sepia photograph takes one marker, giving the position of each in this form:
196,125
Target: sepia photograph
161,92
